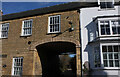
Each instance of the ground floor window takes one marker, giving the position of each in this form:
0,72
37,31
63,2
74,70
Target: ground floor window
111,55
17,66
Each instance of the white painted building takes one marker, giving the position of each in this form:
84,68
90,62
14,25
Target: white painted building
100,38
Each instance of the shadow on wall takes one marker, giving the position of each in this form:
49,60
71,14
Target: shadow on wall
88,72
92,29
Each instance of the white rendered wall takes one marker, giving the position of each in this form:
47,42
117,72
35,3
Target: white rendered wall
88,30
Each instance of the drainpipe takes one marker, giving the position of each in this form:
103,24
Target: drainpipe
79,11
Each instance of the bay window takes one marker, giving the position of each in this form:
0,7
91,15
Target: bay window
109,27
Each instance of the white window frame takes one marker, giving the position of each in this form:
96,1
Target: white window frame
18,66
107,19
54,20
22,34
105,1
102,63
5,30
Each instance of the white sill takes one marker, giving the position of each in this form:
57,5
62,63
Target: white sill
3,37
106,68
53,32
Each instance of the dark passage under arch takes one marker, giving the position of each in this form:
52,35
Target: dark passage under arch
49,56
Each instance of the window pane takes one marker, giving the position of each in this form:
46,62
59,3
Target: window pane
50,20
53,28
106,5
104,56
115,48
118,30
56,28
53,20
103,5
111,63
104,48
24,24
110,5
103,31
110,49
116,55
105,63
119,48
110,56
58,19
114,30
117,63
50,28
107,29
102,26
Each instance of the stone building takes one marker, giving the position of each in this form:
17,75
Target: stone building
33,40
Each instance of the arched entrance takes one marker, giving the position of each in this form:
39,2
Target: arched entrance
50,56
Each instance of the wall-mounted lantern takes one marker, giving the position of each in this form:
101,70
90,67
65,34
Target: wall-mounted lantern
72,27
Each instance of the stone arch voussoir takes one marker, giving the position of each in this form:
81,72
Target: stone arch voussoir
72,40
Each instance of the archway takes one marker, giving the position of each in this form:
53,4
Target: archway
49,54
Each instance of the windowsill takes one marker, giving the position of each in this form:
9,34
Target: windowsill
106,68
26,35
3,37
53,33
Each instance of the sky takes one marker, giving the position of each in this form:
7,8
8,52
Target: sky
14,7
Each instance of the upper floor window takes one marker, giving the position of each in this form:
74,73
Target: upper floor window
17,66
104,4
4,30
109,27
27,27
105,27
54,24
